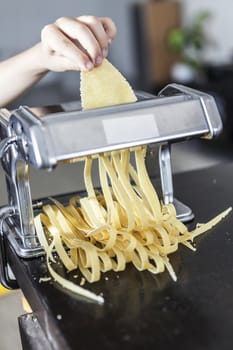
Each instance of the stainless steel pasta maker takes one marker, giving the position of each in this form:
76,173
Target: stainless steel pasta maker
43,140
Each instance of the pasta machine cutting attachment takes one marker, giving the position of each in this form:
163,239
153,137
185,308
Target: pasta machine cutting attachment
44,140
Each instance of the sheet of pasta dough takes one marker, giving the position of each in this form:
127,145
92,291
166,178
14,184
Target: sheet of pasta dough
104,86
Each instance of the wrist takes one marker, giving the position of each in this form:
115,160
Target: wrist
34,60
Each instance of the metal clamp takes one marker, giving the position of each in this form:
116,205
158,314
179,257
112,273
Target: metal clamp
166,173
6,143
183,212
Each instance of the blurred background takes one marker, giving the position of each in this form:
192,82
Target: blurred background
158,42
141,24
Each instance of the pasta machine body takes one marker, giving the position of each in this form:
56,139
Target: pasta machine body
43,140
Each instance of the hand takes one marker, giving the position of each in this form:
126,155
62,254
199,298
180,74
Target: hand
79,43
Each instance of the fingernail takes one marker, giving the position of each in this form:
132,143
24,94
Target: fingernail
89,65
105,52
109,40
98,60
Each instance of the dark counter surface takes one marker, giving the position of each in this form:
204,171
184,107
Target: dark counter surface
142,310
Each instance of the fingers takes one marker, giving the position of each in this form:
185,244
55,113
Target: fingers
83,36
103,29
109,27
97,29
82,42
58,45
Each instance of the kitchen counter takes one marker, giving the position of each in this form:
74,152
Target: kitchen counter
141,310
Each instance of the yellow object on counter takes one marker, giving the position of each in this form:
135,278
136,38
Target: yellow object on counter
4,291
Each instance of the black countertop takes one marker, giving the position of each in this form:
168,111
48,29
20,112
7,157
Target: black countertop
142,310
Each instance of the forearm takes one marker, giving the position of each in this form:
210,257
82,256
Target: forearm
19,73
70,43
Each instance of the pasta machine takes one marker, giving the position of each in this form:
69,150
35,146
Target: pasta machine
43,140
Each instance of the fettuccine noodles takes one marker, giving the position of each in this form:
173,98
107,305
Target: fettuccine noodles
124,222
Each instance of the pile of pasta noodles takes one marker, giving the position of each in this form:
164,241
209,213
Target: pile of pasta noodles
123,222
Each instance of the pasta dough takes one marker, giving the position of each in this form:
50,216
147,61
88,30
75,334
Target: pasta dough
104,86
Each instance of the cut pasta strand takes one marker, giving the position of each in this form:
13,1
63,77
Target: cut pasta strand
121,223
